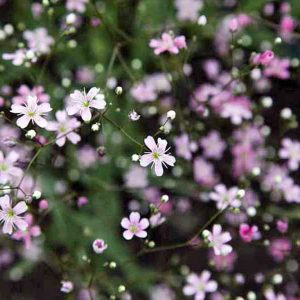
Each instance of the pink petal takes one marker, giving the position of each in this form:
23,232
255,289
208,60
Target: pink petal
92,93
20,208
7,228
150,143
40,121
86,114
128,235
134,217
23,121
5,202
98,104
158,168
74,137
20,223
141,234
144,223
125,223
146,160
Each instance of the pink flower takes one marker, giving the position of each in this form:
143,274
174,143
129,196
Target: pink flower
136,178
144,92
99,246
24,91
223,262
8,171
280,248
10,216
287,25
64,128
282,226
31,111
39,40
135,226
204,172
278,68
290,151
76,5
43,205
213,145
233,25
27,235
187,10
247,232
17,57
225,197
168,43
237,109
264,58
199,285
157,156
218,239
82,201
81,102
183,146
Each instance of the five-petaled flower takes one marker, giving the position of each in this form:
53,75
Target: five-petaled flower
31,111
158,155
81,103
65,128
99,246
8,171
10,215
135,226
218,239
168,43
199,285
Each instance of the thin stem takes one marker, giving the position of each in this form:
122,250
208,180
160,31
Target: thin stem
123,131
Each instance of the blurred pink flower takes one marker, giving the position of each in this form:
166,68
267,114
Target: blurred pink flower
278,68
213,145
76,5
247,232
280,248
168,43
24,91
225,197
218,240
290,150
38,40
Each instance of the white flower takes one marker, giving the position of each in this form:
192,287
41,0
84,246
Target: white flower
81,103
10,215
218,240
65,128
158,156
39,40
31,111
17,57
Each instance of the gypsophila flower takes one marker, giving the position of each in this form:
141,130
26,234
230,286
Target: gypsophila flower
225,197
10,216
8,171
158,156
99,246
31,111
218,239
134,116
39,40
82,103
66,286
199,285
290,150
65,128
135,226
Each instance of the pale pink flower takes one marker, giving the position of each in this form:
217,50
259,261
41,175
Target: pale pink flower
24,91
237,109
81,103
168,43
17,57
27,235
248,233
270,295
199,285
64,128
99,246
38,40
8,171
183,146
76,5
287,25
158,155
280,248
187,10
204,172
264,58
223,262
290,150
82,201
135,226
31,111
66,286
136,178
278,68
225,197
213,145
144,92
10,215
218,239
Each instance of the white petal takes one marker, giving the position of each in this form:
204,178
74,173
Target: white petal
23,121
86,114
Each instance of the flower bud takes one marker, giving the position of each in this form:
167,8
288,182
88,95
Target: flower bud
30,134
36,194
119,90
171,114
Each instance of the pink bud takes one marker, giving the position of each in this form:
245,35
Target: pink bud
43,204
180,42
82,201
99,246
233,25
95,22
